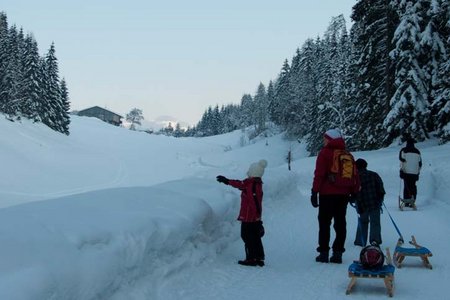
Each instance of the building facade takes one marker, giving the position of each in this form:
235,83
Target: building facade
102,114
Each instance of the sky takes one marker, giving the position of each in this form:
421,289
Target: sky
170,58
110,213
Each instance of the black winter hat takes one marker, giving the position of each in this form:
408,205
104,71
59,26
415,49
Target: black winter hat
361,163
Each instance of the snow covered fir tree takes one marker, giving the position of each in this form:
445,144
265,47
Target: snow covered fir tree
29,84
386,79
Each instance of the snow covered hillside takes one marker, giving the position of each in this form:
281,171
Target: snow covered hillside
107,213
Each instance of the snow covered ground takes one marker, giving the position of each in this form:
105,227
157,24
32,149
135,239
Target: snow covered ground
107,213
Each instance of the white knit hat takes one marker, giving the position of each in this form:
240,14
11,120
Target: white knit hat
257,169
333,134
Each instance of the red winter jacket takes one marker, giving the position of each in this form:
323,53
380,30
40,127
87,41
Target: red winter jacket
249,212
321,183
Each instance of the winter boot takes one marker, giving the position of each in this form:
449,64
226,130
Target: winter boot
336,258
322,257
248,262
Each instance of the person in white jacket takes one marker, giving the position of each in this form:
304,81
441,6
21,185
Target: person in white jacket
410,165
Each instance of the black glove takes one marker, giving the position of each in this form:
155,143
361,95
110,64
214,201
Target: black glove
222,179
314,201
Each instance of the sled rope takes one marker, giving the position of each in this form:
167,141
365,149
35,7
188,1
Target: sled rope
393,222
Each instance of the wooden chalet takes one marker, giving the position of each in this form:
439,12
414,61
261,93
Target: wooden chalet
102,114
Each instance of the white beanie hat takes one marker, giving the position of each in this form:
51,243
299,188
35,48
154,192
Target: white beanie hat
333,134
257,169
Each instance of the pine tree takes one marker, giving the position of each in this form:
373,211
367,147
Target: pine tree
51,108
409,107
66,108
261,114
207,122
202,124
306,90
292,105
169,129
432,50
229,118
178,132
216,122
346,112
441,103
337,56
328,109
10,84
31,80
4,51
372,72
21,49
282,96
270,99
247,111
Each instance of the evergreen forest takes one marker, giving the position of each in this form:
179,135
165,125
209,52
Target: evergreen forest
385,79
30,86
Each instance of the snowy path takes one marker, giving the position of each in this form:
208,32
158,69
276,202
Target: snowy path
292,273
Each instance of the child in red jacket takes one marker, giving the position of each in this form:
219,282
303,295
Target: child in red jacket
250,213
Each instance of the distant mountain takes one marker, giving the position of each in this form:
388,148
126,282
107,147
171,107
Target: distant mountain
158,123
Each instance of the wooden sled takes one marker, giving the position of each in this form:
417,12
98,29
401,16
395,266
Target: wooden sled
355,271
419,251
402,203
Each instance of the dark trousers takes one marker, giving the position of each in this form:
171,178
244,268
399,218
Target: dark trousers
409,186
332,207
373,218
251,235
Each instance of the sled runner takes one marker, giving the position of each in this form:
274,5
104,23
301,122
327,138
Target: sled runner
402,203
386,272
401,252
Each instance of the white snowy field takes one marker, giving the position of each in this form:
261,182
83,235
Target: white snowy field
107,213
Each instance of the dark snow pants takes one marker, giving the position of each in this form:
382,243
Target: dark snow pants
332,207
251,235
409,186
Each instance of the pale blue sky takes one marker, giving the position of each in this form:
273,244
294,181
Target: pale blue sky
170,57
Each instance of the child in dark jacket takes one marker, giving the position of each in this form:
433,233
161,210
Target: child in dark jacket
250,212
368,205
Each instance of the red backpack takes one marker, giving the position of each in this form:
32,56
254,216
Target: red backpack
343,169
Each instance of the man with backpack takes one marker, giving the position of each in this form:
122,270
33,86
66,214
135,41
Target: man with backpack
410,165
335,180
368,205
